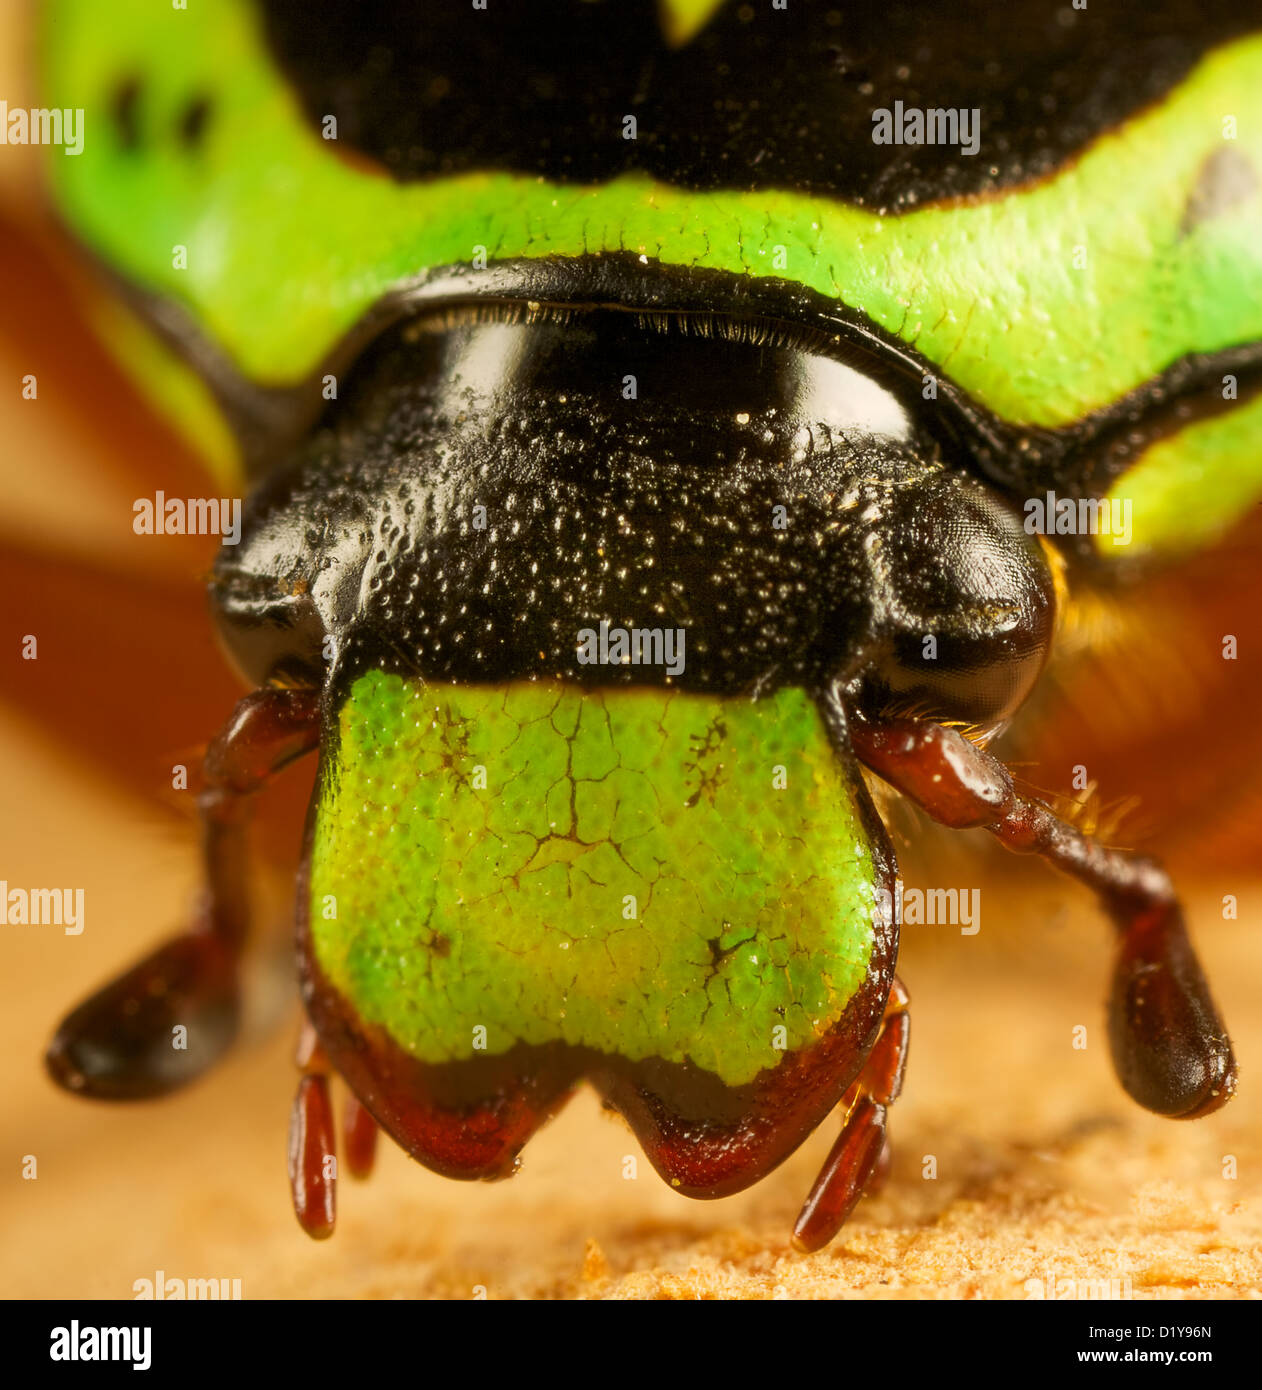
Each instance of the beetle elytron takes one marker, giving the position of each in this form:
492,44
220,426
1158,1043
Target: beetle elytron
614,318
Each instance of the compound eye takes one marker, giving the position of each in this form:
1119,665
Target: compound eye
271,601
968,606
272,637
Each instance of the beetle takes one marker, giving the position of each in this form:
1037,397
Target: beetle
639,455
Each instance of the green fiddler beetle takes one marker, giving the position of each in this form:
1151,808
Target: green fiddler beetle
641,411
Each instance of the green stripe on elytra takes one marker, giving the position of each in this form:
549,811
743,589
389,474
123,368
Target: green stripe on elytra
288,244
643,872
1188,488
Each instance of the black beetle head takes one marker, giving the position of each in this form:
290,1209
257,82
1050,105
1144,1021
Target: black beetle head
485,492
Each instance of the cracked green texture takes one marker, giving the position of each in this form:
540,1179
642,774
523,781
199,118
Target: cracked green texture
504,907
288,244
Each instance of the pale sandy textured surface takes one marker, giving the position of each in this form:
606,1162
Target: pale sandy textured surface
1044,1169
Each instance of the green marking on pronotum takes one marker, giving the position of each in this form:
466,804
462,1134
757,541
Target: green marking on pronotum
507,907
1187,489
288,245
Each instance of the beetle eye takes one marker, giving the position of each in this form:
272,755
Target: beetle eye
272,638
966,609
276,596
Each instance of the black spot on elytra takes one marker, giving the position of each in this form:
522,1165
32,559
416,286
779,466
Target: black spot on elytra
193,121
124,108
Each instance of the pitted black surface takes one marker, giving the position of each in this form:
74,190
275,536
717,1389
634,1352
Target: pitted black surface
485,491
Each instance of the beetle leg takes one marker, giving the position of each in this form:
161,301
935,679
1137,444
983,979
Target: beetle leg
859,1160
359,1129
312,1156
1169,1046
120,1044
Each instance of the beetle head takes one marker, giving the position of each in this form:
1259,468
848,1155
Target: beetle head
494,483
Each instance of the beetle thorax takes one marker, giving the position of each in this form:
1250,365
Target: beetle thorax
593,499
